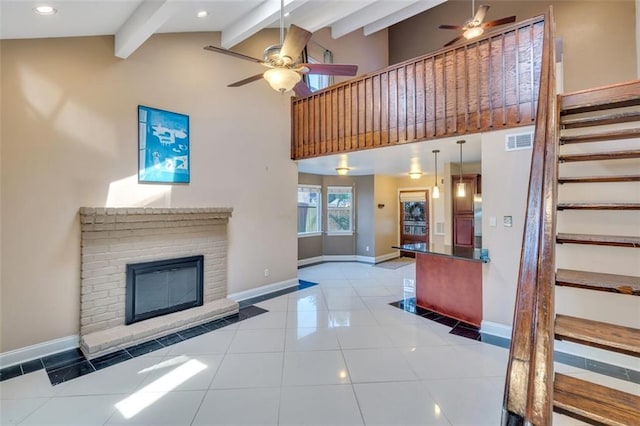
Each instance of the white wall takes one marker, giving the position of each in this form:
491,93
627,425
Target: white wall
505,181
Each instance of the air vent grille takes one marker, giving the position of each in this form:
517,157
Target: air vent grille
519,141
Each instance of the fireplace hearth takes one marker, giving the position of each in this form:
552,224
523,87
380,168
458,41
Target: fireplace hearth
174,298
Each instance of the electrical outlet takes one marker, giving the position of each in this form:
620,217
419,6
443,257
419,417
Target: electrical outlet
266,272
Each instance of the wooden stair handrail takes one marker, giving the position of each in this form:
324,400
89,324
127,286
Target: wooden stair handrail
528,397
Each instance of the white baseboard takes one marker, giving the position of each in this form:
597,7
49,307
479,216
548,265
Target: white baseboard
340,258
265,289
39,350
310,261
387,256
496,329
626,361
348,258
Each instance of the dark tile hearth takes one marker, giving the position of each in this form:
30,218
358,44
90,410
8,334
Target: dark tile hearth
144,348
10,372
70,364
469,331
69,372
110,359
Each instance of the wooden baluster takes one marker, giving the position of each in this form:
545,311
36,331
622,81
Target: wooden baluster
517,66
504,82
490,85
478,87
467,98
435,91
424,98
444,91
455,91
532,112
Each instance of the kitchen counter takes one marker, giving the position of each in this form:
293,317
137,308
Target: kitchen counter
449,281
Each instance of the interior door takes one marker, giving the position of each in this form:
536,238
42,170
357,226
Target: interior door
463,212
414,218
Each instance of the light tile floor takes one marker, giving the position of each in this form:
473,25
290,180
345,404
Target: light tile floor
333,354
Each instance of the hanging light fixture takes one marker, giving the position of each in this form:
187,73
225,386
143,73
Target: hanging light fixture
282,79
461,191
436,191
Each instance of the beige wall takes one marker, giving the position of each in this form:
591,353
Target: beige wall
595,34
70,140
386,219
370,53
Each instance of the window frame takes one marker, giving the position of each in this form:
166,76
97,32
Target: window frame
318,190
350,231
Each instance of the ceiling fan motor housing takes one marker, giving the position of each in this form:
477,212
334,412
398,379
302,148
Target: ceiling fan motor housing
272,55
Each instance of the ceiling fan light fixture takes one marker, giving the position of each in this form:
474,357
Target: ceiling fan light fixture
473,32
282,79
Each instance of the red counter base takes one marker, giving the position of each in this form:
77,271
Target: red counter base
450,286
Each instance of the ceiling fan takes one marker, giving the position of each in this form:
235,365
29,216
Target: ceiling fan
285,72
474,27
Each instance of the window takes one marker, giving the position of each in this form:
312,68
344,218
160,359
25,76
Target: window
308,210
317,81
339,210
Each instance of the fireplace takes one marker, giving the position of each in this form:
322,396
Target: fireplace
162,287
169,297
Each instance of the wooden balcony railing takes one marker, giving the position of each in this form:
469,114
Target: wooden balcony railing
528,397
486,84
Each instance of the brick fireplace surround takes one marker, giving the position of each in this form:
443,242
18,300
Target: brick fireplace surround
114,237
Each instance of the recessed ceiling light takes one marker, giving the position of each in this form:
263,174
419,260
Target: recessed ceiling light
287,14
45,10
203,14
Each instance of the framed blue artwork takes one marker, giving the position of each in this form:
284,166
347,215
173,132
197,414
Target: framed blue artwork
163,146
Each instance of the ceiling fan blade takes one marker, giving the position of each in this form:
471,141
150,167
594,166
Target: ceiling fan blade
301,89
481,13
246,81
294,42
234,54
497,22
330,69
450,27
453,41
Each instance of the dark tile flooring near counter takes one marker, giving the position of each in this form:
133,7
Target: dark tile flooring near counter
70,364
463,329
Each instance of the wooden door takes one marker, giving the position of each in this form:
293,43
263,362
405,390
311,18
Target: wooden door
462,212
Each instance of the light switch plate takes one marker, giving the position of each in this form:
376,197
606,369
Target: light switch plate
493,221
507,221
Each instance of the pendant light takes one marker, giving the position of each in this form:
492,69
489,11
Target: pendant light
460,186
436,190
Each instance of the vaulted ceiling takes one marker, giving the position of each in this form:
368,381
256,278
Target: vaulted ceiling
132,22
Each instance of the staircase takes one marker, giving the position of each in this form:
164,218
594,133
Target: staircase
598,244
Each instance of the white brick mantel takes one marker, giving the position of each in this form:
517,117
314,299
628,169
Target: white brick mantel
114,237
